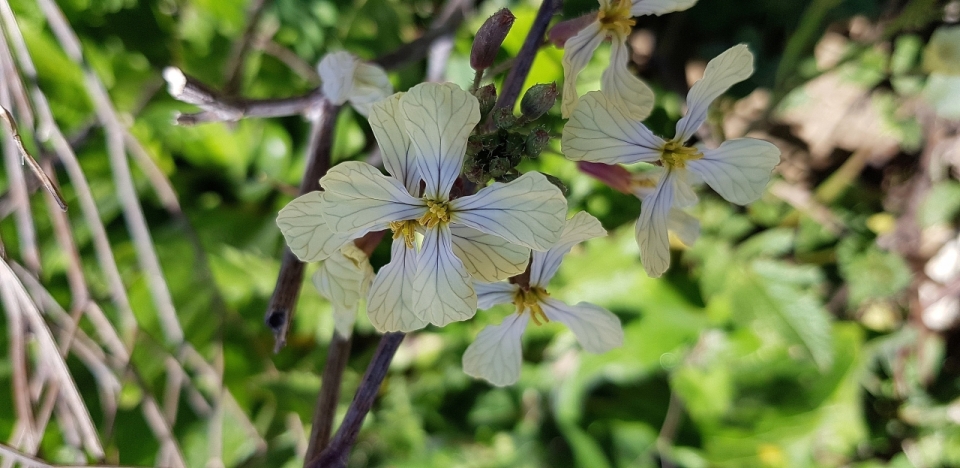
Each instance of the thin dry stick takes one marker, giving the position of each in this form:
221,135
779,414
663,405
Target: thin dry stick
79,294
49,131
53,362
26,232
158,180
18,360
25,157
126,192
13,455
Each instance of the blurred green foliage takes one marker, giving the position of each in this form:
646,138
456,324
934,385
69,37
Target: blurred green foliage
774,341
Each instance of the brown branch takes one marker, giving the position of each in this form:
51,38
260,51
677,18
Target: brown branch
281,307
326,407
513,84
336,454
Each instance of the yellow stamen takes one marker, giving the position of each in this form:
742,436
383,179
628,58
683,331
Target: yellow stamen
530,299
405,229
438,212
675,156
616,18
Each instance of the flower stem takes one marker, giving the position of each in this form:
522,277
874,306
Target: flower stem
513,84
337,453
326,408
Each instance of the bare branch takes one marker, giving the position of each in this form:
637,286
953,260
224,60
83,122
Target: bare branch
513,84
326,408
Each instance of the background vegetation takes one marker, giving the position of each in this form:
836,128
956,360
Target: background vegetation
817,327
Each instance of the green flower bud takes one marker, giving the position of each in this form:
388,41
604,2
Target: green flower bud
487,95
538,100
536,141
504,118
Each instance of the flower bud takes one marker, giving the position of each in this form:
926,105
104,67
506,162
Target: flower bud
504,118
536,141
538,100
489,37
615,176
487,96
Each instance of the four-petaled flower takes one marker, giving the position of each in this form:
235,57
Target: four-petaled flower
346,78
738,170
496,355
613,21
436,119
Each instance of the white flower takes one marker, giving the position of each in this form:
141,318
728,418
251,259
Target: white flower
614,21
738,170
346,78
343,279
495,355
429,127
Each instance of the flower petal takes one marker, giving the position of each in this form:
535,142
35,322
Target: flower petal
580,227
622,86
370,85
651,230
577,52
390,302
739,169
659,7
491,294
600,131
343,279
336,71
439,119
724,71
387,123
529,211
496,354
359,198
684,226
442,287
487,257
596,328
305,230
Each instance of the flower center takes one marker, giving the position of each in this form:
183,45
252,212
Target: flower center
438,212
405,229
529,299
616,18
675,156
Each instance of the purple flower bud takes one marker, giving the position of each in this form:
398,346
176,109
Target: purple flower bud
538,100
536,141
489,37
564,30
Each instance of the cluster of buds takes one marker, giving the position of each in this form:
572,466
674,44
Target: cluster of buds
495,155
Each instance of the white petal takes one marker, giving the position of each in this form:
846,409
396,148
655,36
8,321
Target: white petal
439,119
724,71
336,71
651,228
684,196
529,211
443,290
496,354
581,227
487,257
577,53
387,123
343,279
739,169
684,226
659,7
306,231
600,131
359,198
623,87
596,328
491,294
390,302
370,85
